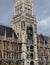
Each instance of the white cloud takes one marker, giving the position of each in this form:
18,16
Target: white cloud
45,22
44,26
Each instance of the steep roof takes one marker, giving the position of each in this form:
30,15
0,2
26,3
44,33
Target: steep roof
9,31
42,37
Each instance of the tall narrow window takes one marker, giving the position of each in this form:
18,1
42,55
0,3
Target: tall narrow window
31,48
30,32
31,55
23,25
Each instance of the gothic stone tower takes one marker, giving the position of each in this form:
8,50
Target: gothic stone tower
24,25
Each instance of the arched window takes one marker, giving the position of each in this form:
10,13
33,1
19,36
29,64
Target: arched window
31,55
31,48
31,63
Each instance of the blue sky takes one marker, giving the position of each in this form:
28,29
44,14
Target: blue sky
41,9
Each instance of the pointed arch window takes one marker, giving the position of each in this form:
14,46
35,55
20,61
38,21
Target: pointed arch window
31,63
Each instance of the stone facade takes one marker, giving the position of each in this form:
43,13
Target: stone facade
14,52
24,24
43,47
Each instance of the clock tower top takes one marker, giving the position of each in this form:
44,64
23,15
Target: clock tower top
23,6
